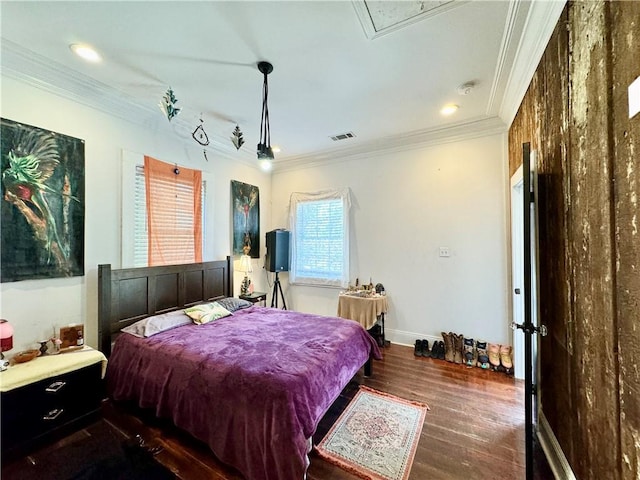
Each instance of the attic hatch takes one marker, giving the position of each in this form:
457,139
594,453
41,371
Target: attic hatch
342,136
382,17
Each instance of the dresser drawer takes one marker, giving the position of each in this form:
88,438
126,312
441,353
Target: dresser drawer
42,407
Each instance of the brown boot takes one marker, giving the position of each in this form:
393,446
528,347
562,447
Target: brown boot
448,346
457,348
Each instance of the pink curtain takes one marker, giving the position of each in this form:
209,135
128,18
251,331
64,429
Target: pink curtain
174,213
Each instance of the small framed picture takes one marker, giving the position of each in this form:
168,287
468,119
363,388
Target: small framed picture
72,337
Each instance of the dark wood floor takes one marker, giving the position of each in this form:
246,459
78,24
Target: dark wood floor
474,430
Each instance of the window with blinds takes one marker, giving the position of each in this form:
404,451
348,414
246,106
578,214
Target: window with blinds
176,214
320,238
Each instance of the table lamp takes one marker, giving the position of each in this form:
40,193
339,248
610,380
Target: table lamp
245,266
6,341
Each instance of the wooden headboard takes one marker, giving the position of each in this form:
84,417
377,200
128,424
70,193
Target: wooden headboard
131,294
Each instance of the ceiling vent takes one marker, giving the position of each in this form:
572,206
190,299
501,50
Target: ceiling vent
342,136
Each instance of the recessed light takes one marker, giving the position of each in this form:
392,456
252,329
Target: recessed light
86,52
449,109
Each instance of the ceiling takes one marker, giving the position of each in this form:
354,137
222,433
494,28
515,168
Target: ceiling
381,70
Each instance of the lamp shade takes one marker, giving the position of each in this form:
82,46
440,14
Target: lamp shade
6,335
245,264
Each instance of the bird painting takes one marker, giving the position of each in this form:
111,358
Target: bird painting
41,192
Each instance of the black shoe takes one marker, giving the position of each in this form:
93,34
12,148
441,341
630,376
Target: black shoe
425,348
417,350
435,348
440,350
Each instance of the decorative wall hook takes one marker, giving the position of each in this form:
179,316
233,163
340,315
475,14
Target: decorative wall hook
236,138
168,104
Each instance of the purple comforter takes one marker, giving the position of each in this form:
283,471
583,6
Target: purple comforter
253,385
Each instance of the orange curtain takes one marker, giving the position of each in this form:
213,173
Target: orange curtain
174,213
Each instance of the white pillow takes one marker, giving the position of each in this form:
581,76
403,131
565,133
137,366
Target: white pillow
158,323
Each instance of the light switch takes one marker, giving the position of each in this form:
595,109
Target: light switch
634,97
444,252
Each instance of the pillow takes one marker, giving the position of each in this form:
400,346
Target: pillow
206,312
158,323
234,304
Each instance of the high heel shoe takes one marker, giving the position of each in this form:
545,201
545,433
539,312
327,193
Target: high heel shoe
505,359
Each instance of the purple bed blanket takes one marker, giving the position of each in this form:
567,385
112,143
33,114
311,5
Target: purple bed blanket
253,385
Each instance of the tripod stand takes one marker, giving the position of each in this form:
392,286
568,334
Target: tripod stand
274,296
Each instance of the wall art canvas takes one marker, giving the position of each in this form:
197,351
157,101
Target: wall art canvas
42,206
245,201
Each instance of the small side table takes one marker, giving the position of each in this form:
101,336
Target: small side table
256,297
368,311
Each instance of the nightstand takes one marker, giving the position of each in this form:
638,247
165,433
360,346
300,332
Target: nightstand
49,396
256,297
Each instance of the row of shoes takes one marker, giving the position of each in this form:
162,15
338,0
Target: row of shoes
458,349
421,349
478,353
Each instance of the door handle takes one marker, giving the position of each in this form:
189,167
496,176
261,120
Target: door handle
541,330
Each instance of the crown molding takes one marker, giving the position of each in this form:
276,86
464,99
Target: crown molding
35,70
30,68
508,46
474,128
541,20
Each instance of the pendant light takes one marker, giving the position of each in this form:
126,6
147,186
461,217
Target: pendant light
264,145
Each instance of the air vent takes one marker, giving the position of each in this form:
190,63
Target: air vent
342,136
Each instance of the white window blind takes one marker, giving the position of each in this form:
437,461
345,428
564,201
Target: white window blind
319,224
181,214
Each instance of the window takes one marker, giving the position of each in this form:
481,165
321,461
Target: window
177,243
320,238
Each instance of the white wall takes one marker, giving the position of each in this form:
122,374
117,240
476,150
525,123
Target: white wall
34,307
405,205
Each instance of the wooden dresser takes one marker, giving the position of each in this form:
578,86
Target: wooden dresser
49,396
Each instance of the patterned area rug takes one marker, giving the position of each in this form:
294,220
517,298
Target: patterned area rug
376,436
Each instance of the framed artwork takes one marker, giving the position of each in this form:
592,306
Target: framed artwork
42,206
245,201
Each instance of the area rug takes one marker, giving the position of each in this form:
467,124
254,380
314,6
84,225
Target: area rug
376,436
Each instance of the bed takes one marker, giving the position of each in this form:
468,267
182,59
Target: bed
253,385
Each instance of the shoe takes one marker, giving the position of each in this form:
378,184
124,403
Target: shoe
440,350
457,348
417,350
435,349
470,354
505,359
448,346
483,355
425,348
494,356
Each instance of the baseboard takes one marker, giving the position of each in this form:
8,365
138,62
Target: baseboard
552,450
401,337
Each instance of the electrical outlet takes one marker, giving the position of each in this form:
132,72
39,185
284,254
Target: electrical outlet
444,252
